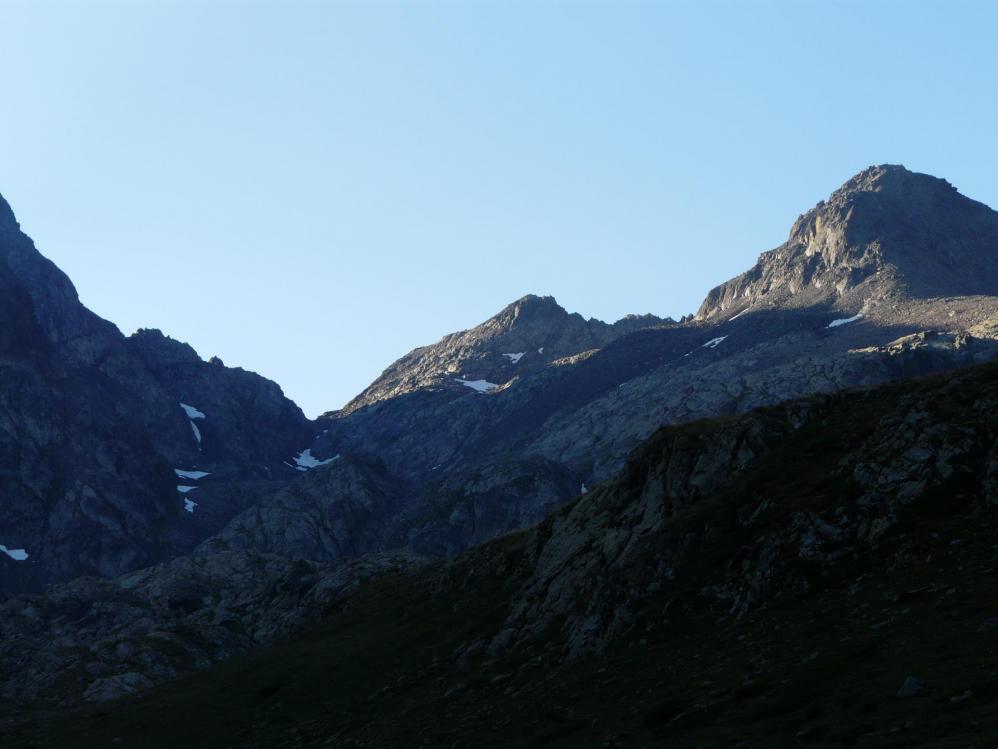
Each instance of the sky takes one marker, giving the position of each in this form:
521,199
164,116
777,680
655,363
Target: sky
310,190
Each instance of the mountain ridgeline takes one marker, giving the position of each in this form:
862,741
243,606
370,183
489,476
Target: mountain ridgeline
204,505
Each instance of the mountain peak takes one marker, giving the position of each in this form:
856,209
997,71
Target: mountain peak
524,336
886,231
528,310
881,176
535,299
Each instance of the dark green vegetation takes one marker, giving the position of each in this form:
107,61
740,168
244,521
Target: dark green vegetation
716,648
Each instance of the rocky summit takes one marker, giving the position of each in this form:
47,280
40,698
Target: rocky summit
885,238
533,505
526,336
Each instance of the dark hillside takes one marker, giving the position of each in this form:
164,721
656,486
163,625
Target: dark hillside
818,573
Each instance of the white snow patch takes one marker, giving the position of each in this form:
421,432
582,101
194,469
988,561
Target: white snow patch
18,555
195,475
540,350
482,386
197,433
189,505
738,315
305,460
583,489
514,358
184,489
192,413
844,321
714,342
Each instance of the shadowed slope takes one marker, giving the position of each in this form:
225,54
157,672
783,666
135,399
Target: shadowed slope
770,578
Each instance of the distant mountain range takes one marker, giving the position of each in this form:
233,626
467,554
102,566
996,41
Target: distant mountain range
121,453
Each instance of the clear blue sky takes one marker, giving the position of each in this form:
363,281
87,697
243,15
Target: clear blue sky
311,190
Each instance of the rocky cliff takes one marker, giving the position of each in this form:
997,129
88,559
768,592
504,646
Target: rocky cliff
94,428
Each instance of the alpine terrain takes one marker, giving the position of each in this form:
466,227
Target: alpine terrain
767,523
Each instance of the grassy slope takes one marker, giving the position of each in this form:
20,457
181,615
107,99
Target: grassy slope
820,669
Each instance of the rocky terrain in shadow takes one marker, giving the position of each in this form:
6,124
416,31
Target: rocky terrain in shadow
814,572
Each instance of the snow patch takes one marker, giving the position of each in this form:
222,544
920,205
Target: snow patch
714,342
183,489
192,413
18,555
306,460
514,358
738,315
197,433
195,475
540,350
482,386
844,321
189,505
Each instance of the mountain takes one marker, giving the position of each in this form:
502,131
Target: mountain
814,572
527,335
482,433
886,235
94,426
211,511
492,428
